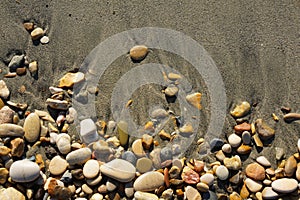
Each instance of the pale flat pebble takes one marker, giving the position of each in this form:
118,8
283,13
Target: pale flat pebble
269,193
63,143
234,140
4,91
263,161
88,131
11,194
285,185
96,196
11,130
253,186
58,165
144,196
207,178
192,193
222,172
226,148
79,156
148,181
32,127
118,169
144,165
91,169
24,171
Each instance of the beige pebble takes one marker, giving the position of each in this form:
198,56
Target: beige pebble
253,186
241,109
3,175
69,79
173,76
202,187
32,127
58,165
269,193
37,33
57,104
79,156
91,169
255,171
11,194
28,26
44,40
4,91
11,130
233,163
144,165
94,181
122,129
222,172
285,185
192,193
226,148
207,178
63,143
137,148
171,90
234,140
86,189
118,169
186,130
17,147
263,129
290,166
194,99
33,68
148,181
263,161
138,52
24,171
138,195
6,115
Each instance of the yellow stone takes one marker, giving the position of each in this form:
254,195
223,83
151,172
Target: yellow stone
122,129
241,109
235,196
70,79
37,33
194,99
138,52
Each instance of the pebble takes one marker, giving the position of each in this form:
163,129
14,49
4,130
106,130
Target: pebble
96,196
237,178
21,71
220,155
166,154
63,143
267,182
291,117
137,148
79,156
122,129
111,185
4,91
198,166
222,172
11,194
164,135
290,166
244,192
240,128
173,76
91,169
255,171
234,196
17,147
3,175
88,131
129,190
194,99
186,130
263,161
11,130
28,26
144,165
37,33
189,176
58,165
130,157
192,193
298,172
174,172
149,181
118,169
94,181
171,90
86,189
147,141
6,115
159,114
167,194
69,79
207,179
234,140
33,68
244,149
263,129
246,137
241,109
269,193
216,144
24,171
57,104
138,52
253,186
226,148
144,196
4,150
202,187
285,185
233,163
16,62
44,40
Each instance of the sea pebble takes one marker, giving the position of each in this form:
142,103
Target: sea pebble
71,115
16,62
91,169
233,163
147,141
234,140
11,193
263,129
57,104
118,169
44,40
167,194
4,150
17,147
122,129
144,165
129,190
267,182
246,137
202,187
6,115
220,155
24,171
86,189
192,193
96,196
173,76
255,172
111,185
4,91
194,99
207,178
137,148
226,148
11,130
198,166
165,154
138,195
298,172
88,131
186,130
138,52
69,79
253,186
33,68
159,114
244,149
240,128
269,193
21,71
58,165
171,91
285,185
216,144
94,181
289,117
32,127
241,109
290,166
233,196
28,26
236,178
244,193
79,156
189,176
263,161
37,33
148,181
174,172
130,157
3,175
222,172
63,143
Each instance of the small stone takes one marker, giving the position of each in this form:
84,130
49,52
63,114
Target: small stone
165,154
285,185
148,181
122,129
17,147
207,179
70,79
174,172
86,189
255,172
291,117
4,91
91,169
147,141
241,109
63,143
57,104
96,196
33,68
244,149
130,157
174,77
11,130
88,131
244,192
192,193
21,71
44,40
79,156
155,157
144,165
240,128
164,135
129,190
138,52
16,62
216,144
167,194
226,148
194,99
220,155
119,170
11,194
111,185
279,153
32,127
137,148
298,172
149,127
186,130
267,182
159,114
113,142
290,166
234,196
237,178
28,26
144,196
222,172
24,171
171,91
3,175
234,140
268,193
6,115
233,163
202,187
263,129
4,150
189,176
246,137
10,75
263,161
253,186
58,165
37,33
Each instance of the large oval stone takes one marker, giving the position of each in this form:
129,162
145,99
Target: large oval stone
285,185
148,181
24,171
118,169
32,127
11,194
79,156
11,130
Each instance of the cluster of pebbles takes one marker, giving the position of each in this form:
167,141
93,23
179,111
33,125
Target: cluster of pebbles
106,164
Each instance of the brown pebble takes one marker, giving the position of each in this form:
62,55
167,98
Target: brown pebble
244,149
240,128
244,192
190,176
263,129
4,151
290,166
138,52
166,177
198,166
28,26
285,109
21,71
291,117
17,147
147,141
235,196
164,135
255,171
10,75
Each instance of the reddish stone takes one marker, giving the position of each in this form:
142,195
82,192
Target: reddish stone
190,176
198,166
255,171
240,128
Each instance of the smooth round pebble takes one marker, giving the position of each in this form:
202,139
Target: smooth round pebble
11,130
91,169
130,157
96,196
148,181
263,161
137,148
58,165
246,137
63,143
94,181
44,40
138,52
253,186
222,172
79,156
24,171
144,196
268,193
11,194
86,189
32,127
255,171
207,178
192,193
144,165
226,148
202,187
234,140
285,185
118,169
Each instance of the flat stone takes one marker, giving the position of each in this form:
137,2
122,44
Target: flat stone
111,185
189,176
234,196
192,193
246,137
28,26
234,140
237,178
194,99
58,165
220,155
88,131
244,193
3,175
122,129
174,172
79,156
263,129
285,185
226,148
167,194
44,40
16,62
138,195
173,76
17,147
37,33
24,171
155,157
148,181
216,144
186,130
4,150
171,91
279,153
255,172
11,130
96,196
253,186
207,178
240,128
86,189
94,181
202,187
129,190
6,115
244,149
147,141
298,172
233,163
290,166
159,114
137,148
118,169
4,91
289,117
32,127
57,104
269,193
130,157
166,154
11,194
63,143
138,52
91,169
241,109
222,172
33,68
263,161
144,165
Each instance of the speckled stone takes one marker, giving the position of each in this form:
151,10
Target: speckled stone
118,169
290,166
148,181
137,148
63,143
6,115
233,163
189,176
269,193
263,129
17,147
24,171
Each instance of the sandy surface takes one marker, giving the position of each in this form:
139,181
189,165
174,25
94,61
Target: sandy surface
254,44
